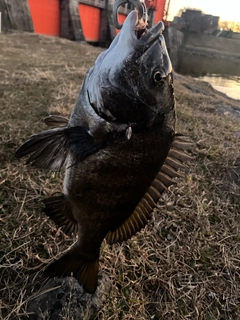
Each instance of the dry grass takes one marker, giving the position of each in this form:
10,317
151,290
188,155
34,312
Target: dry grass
184,265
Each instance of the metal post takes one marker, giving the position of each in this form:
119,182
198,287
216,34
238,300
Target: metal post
0,21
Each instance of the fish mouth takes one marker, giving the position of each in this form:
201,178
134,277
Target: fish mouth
140,28
140,6
136,20
147,37
138,33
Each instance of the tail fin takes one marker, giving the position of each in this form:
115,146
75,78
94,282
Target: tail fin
82,267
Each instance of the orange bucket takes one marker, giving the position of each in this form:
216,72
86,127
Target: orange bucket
121,19
90,19
45,16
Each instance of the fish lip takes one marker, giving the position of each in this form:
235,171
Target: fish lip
148,38
129,35
152,33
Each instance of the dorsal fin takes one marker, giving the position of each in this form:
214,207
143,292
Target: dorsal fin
164,179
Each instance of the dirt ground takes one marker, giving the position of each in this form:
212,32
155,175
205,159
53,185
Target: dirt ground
184,265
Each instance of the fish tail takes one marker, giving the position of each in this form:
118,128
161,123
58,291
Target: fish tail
81,266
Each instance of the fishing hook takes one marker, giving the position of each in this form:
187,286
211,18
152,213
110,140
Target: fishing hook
136,3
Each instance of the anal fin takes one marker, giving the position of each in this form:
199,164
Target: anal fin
59,210
81,143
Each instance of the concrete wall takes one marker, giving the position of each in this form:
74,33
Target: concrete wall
198,54
75,20
224,46
201,54
174,40
16,15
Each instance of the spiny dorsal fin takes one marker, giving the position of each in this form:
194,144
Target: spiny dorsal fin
174,163
58,209
182,142
164,179
179,155
133,224
170,171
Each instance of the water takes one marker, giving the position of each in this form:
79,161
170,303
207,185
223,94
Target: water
223,74
230,85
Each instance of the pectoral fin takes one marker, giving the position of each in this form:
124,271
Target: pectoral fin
49,149
164,179
81,143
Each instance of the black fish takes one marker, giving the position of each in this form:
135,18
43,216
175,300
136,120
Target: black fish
119,147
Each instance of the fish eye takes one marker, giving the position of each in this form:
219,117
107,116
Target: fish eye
157,77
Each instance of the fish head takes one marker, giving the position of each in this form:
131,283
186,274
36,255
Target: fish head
131,82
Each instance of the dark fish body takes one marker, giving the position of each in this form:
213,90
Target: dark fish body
108,185
119,148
